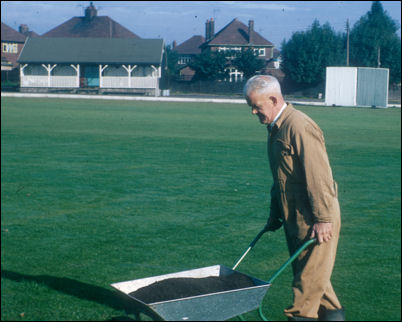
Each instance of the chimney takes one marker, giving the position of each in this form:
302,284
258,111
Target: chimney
174,44
250,31
212,28
207,31
23,29
90,12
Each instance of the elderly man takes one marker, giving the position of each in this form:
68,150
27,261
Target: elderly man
303,198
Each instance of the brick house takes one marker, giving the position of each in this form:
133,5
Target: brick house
187,51
235,36
12,43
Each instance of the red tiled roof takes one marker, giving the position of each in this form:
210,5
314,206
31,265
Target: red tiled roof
190,46
236,33
98,27
9,34
31,34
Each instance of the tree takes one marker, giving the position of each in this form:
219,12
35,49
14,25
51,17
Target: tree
170,65
209,65
307,54
247,62
373,40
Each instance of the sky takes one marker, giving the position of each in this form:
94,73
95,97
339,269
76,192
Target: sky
180,20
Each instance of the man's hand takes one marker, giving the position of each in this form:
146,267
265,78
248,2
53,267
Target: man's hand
273,224
322,231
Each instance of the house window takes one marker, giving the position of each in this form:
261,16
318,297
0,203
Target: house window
229,51
260,51
184,60
10,48
235,75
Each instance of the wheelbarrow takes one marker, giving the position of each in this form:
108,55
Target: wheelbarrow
211,305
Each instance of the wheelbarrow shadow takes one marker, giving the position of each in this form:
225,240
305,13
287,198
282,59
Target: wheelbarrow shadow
83,291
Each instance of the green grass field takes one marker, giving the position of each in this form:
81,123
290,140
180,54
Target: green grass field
96,192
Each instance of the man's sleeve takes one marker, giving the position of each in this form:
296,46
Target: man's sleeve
274,206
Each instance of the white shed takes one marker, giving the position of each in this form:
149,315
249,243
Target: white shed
357,86
112,64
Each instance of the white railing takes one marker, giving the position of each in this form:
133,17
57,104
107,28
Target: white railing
114,82
34,81
106,82
63,81
144,82
135,82
43,81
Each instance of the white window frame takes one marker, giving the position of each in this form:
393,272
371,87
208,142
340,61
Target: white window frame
234,75
229,48
184,60
11,48
260,51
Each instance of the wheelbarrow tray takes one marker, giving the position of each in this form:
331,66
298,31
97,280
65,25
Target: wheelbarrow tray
214,306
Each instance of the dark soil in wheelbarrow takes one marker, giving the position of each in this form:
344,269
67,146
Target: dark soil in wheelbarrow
177,288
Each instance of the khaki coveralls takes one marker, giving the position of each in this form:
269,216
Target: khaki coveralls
304,193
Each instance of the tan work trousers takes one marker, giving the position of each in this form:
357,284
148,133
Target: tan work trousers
312,271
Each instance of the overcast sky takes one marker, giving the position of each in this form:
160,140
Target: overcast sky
180,20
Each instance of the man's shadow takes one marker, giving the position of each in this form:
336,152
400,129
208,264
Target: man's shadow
83,291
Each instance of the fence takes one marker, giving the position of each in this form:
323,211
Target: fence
236,88
207,87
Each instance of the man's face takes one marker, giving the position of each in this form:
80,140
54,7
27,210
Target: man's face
262,105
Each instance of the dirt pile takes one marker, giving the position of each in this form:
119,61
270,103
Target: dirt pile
177,288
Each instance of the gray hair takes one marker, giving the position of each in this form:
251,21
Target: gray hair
262,84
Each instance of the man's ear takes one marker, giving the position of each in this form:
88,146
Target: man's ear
273,99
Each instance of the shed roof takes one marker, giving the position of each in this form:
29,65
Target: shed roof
102,26
92,50
91,25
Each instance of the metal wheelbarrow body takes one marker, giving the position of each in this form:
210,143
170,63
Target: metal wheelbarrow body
211,306
217,306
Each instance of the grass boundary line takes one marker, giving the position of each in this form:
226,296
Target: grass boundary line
158,99
127,98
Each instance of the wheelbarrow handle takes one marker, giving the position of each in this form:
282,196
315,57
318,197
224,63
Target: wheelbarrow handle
291,259
250,246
